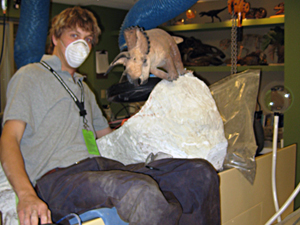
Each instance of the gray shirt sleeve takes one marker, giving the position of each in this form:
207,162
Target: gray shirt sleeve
19,98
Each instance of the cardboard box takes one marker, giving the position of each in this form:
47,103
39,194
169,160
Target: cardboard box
246,204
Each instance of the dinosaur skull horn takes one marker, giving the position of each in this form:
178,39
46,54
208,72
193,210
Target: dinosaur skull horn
120,59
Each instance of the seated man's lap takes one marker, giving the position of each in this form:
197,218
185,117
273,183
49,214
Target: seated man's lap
157,188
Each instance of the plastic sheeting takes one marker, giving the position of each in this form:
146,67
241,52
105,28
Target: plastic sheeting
180,119
7,201
236,98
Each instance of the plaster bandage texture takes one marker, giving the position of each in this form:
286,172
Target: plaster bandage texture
180,119
8,205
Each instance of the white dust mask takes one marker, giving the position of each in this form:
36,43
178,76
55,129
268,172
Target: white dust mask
77,52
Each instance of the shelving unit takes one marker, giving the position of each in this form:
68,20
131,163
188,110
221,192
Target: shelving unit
120,68
224,25
239,68
247,23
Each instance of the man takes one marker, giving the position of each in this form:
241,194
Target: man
19,121
50,121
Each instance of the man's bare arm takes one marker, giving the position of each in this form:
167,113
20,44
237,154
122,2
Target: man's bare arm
30,207
105,131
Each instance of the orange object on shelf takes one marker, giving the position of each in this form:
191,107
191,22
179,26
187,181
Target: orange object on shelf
190,14
240,8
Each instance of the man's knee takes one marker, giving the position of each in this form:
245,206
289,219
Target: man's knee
203,165
144,183
205,169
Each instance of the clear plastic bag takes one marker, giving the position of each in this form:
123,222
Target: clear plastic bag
236,98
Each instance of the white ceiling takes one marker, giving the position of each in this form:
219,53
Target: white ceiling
119,4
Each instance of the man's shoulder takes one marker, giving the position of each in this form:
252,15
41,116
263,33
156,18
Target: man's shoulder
29,73
29,70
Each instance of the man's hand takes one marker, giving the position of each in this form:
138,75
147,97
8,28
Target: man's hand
31,209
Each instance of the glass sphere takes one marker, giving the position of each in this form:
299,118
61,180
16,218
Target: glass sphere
278,99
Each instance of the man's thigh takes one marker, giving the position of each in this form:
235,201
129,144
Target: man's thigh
193,182
135,195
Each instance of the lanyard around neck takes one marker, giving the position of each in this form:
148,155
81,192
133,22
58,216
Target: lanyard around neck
79,104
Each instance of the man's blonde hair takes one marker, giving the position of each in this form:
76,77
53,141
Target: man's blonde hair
70,18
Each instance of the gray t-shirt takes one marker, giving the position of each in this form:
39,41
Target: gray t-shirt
53,134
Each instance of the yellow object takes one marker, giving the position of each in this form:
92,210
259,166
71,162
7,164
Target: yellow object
240,8
97,221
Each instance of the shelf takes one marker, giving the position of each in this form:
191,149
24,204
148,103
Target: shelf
239,68
225,25
269,68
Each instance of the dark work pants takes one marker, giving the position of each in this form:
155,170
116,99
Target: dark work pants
174,191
